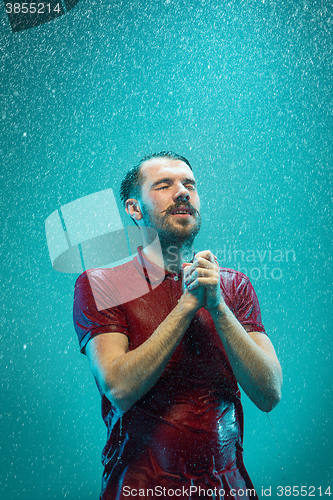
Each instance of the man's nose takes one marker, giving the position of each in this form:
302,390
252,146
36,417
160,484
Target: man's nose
182,194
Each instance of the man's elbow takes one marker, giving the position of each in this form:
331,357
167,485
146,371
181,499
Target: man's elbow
115,389
270,402
119,398
272,396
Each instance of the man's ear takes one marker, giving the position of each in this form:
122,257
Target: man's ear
132,207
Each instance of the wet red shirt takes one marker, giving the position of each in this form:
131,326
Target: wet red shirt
185,435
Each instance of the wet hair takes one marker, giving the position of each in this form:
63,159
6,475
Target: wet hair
132,182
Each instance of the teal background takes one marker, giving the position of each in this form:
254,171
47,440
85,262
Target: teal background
243,89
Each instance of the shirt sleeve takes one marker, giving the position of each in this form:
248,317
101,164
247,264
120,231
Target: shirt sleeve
248,309
89,319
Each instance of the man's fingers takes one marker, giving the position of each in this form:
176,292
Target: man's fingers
206,254
201,262
204,265
199,272
209,283
202,276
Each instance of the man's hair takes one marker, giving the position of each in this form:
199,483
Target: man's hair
132,182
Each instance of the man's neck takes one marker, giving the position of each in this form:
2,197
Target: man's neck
175,255
169,256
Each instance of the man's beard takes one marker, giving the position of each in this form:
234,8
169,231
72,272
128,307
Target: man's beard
170,234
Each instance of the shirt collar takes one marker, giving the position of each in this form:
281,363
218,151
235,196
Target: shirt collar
152,272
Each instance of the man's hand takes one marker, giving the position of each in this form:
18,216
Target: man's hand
202,278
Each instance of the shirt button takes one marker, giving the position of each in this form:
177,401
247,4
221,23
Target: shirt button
176,278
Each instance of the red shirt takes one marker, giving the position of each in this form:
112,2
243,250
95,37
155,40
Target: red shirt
187,430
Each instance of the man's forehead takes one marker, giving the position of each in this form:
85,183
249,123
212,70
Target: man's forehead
155,167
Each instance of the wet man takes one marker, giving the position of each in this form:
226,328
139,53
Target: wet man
169,336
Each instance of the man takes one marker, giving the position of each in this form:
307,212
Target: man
167,362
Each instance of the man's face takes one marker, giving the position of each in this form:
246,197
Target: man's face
169,200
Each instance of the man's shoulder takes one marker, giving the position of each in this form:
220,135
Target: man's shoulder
112,286
231,275
109,274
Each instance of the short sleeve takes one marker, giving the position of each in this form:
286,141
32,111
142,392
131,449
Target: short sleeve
90,320
248,309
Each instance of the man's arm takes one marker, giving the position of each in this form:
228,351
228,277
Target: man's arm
252,358
124,377
251,355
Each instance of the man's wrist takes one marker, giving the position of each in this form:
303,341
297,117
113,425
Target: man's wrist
188,304
220,310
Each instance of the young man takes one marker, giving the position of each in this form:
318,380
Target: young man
167,360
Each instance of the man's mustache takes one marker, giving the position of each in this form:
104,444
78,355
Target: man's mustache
185,204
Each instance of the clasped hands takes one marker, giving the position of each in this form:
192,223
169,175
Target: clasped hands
202,280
